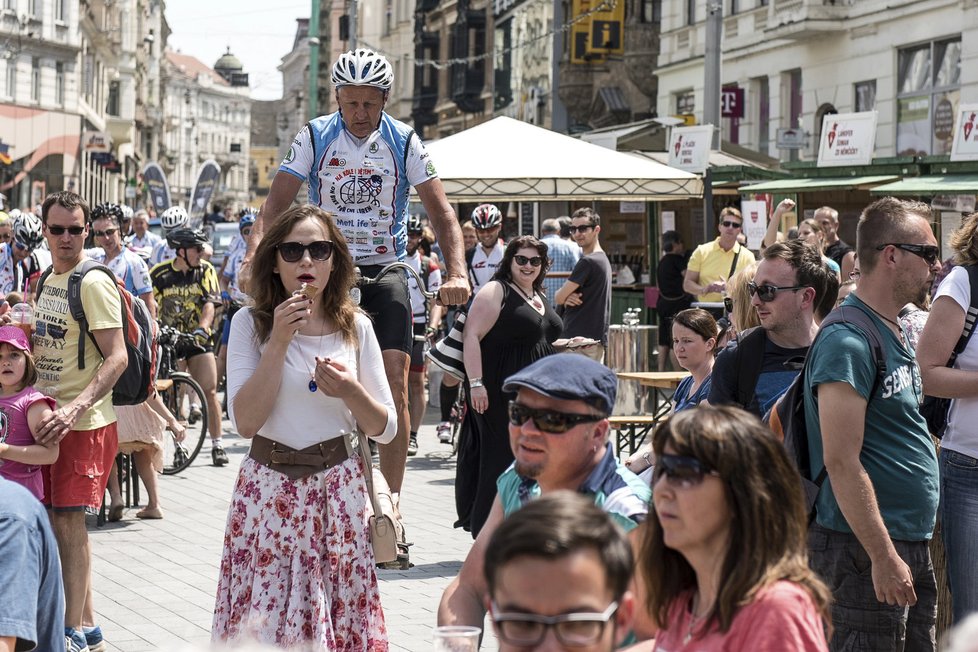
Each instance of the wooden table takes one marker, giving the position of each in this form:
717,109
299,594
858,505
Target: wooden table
657,379
632,430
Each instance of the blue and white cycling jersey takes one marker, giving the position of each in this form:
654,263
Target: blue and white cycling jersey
161,253
128,267
365,182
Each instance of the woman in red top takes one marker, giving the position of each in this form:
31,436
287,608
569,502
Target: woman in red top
725,547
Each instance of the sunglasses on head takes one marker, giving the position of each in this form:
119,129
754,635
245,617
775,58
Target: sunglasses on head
583,228
549,421
681,471
60,230
292,252
730,225
768,292
930,253
536,261
107,232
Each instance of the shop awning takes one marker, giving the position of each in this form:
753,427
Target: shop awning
950,184
816,184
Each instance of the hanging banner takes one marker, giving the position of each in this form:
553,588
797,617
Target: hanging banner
207,179
755,222
159,191
847,139
689,148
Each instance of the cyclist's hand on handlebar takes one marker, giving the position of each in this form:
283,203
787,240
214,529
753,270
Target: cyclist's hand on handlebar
454,291
334,379
290,316
202,336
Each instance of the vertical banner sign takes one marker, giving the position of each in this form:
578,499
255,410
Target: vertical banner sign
847,139
689,148
755,222
207,178
965,144
159,191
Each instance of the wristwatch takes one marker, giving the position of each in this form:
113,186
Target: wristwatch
475,383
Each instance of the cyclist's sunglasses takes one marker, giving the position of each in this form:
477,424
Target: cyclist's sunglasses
60,230
107,232
549,421
292,252
680,470
930,253
767,292
536,261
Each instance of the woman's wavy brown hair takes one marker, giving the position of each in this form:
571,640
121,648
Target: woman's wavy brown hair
768,524
265,285
505,270
964,241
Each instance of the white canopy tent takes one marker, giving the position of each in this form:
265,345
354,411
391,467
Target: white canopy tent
509,160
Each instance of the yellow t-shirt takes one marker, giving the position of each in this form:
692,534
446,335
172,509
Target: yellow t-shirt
713,264
56,342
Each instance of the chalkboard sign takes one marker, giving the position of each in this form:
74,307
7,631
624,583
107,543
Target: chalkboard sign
528,224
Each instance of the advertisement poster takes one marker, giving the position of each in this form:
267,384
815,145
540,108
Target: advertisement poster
159,191
689,148
965,146
847,139
207,179
755,222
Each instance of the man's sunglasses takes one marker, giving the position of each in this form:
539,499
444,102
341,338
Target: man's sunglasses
730,225
536,261
105,233
767,292
292,252
930,253
681,471
549,421
584,228
60,230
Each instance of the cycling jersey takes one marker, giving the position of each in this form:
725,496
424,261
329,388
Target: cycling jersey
237,245
419,306
180,296
143,244
365,182
161,253
129,268
231,269
16,276
483,266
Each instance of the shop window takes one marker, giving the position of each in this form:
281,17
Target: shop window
59,83
685,103
928,94
35,79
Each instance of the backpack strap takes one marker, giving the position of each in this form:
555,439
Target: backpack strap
469,257
76,308
970,316
749,357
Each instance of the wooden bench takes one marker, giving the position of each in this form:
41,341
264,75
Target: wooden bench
631,431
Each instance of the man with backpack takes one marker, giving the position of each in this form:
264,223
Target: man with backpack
757,369
84,423
876,513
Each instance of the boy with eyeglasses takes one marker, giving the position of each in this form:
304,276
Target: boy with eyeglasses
558,573
558,430
713,263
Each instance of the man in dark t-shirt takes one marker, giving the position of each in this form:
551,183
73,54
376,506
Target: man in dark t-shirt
843,255
672,298
586,295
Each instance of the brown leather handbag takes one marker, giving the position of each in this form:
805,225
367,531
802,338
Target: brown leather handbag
383,533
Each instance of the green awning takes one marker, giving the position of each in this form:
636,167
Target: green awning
950,184
814,184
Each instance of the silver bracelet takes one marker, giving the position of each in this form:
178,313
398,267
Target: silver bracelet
475,383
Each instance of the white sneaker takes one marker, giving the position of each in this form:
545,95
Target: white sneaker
445,432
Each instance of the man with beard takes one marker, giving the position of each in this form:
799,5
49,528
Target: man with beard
877,510
558,430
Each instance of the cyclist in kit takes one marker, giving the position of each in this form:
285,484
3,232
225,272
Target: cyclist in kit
360,164
21,259
187,291
175,217
483,259
231,293
127,265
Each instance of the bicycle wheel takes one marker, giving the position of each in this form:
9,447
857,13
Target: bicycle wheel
179,455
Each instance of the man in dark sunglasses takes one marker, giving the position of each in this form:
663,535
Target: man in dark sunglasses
879,503
559,435
713,263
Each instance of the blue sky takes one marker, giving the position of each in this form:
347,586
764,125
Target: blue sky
259,34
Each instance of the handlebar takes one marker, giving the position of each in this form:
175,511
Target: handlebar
387,269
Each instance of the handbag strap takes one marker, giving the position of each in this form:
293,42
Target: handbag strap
368,471
970,316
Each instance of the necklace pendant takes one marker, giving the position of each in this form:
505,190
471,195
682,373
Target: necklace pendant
313,387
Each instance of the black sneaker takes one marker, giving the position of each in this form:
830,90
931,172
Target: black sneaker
218,456
413,446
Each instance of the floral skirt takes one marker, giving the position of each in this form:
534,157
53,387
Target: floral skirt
298,571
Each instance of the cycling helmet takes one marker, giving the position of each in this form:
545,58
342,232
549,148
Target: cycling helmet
183,238
27,230
109,210
246,221
486,216
126,212
14,213
414,225
363,68
174,217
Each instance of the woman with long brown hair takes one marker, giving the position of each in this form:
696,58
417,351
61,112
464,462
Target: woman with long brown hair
305,373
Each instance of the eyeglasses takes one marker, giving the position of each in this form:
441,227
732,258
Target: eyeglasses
730,225
767,292
105,233
584,228
930,253
60,230
549,421
572,630
681,471
536,261
292,252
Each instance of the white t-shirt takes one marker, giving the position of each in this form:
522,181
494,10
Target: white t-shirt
418,307
961,435
484,265
301,418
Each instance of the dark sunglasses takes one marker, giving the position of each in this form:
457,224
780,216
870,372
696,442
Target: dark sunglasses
768,292
730,225
107,232
681,471
536,261
930,253
292,252
60,230
582,228
550,421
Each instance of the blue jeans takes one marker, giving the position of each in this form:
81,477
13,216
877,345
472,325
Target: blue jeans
959,525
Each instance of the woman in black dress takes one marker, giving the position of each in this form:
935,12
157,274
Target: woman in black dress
510,325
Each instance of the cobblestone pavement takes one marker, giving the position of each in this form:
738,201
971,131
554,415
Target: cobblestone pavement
154,581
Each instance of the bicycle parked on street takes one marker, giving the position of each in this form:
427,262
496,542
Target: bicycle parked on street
177,388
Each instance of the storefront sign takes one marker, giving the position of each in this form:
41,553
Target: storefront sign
689,148
847,139
965,147
959,203
792,138
631,207
755,222
732,103
96,142
668,221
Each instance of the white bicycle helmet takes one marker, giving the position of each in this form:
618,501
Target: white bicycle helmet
27,230
174,217
363,67
486,216
126,212
14,213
